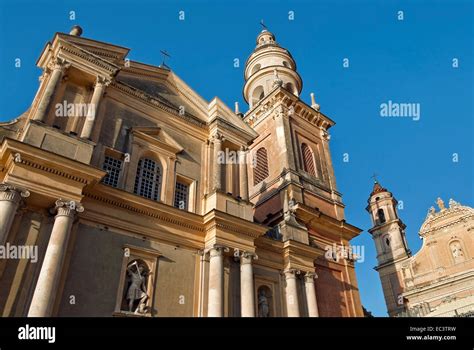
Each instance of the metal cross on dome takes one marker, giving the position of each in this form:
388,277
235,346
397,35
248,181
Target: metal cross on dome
263,25
374,176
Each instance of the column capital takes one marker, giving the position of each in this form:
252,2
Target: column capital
291,273
67,208
217,250
58,63
102,81
217,137
247,257
12,193
309,277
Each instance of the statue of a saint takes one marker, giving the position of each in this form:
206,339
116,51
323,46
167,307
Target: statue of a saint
137,288
453,203
431,213
457,250
440,203
263,307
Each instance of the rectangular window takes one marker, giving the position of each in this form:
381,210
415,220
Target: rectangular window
113,167
181,196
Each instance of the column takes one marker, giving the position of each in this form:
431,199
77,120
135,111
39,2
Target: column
48,281
311,294
243,181
57,68
10,198
215,303
291,292
247,295
217,140
99,88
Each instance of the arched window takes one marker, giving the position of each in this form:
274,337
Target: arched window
255,68
260,171
381,216
257,94
290,87
148,179
286,64
308,160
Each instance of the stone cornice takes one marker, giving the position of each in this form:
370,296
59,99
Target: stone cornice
66,49
280,97
216,219
315,218
142,206
300,256
451,216
437,284
16,153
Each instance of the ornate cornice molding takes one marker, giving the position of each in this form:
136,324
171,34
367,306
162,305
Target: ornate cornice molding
152,101
463,213
280,102
89,57
150,213
42,167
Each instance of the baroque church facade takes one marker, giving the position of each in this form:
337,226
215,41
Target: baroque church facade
145,200
437,281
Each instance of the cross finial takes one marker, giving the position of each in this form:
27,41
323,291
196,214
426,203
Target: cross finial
374,176
263,25
165,55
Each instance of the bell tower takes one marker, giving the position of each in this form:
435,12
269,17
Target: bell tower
388,233
291,161
388,230
291,179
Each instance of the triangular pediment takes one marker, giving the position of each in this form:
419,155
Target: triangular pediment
158,137
112,53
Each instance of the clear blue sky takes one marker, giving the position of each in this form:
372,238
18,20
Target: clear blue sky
406,61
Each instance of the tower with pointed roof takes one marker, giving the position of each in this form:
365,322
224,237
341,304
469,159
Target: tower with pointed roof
388,233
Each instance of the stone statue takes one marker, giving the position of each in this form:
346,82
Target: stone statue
440,203
453,203
457,250
137,288
276,79
263,307
431,213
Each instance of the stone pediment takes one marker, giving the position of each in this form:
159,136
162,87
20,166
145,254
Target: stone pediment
446,217
157,137
112,53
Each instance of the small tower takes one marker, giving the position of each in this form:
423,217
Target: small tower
388,230
269,66
388,233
